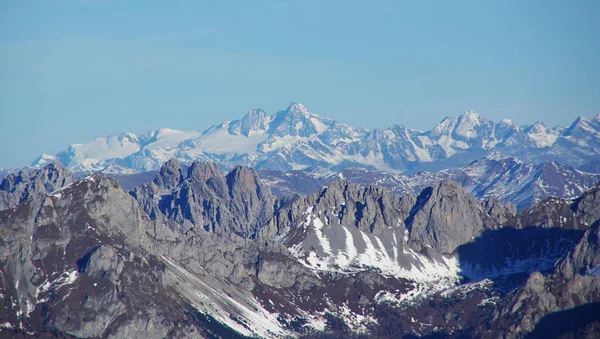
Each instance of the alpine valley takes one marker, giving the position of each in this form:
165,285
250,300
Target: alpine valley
293,225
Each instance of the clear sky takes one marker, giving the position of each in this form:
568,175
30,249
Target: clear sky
70,71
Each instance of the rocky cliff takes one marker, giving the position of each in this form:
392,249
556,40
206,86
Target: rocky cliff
202,253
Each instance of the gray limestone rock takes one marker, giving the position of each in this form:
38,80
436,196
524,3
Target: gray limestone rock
446,216
205,198
279,271
94,261
584,259
85,263
18,187
170,175
372,209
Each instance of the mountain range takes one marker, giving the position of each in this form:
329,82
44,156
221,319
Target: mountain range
494,176
297,139
505,178
197,252
294,225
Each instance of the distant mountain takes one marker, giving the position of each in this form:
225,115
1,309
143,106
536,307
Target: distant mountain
297,139
494,176
505,178
522,184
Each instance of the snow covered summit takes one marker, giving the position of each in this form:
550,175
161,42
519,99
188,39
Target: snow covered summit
296,138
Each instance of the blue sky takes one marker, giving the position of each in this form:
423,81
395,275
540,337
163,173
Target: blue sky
70,71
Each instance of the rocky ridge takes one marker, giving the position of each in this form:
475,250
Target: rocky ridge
198,252
505,178
17,187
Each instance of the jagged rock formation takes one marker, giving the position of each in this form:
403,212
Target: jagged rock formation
504,178
73,264
17,187
5,171
446,216
371,209
495,176
202,196
584,259
198,252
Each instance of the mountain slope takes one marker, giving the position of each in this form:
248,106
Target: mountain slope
90,260
522,184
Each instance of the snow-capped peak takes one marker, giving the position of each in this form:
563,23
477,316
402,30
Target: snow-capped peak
471,115
584,126
253,122
43,160
296,107
538,127
540,135
468,125
296,138
162,132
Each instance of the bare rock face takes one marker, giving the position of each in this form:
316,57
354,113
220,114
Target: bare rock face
547,306
446,216
504,214
204,197
371,209
170,175
201,253
282,272
588,206
76,263
23,185
526,307
251,201
565,301
584,259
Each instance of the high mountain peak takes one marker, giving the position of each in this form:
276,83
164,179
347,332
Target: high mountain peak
471,115
43,160
256,121
295,138
296,107
170,174
204,171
